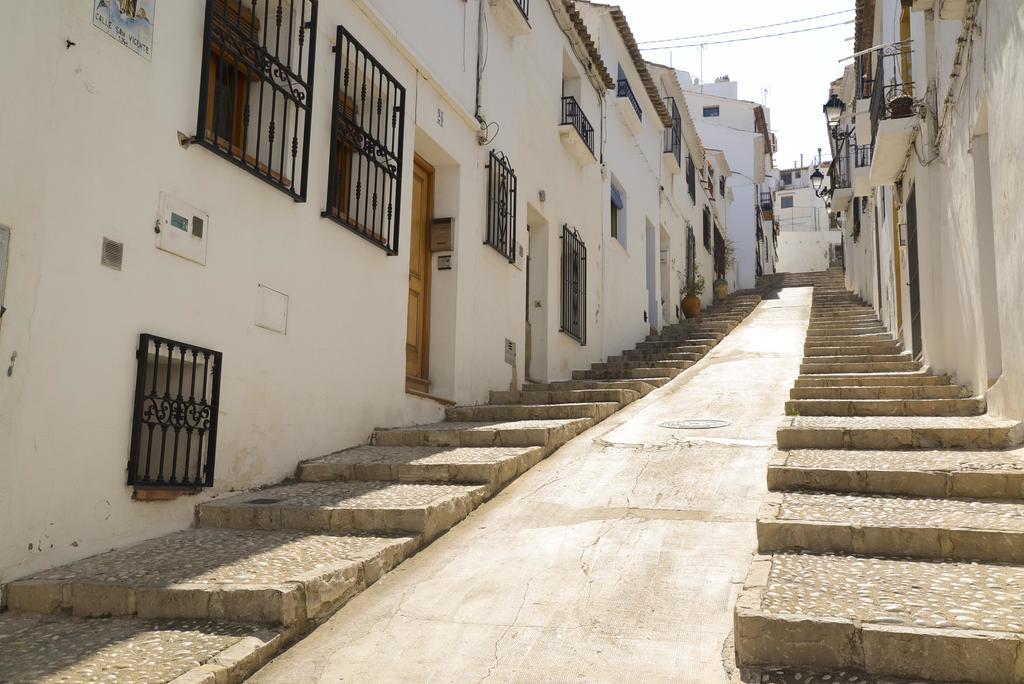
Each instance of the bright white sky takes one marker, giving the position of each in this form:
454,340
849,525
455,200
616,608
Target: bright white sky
795,70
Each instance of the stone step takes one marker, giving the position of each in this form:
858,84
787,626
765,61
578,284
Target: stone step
790,675
626,374
642,385
596,411
846,340
843,317
670,345
863,358
493,466
863,367
873,525
974,406
846,331
281,577
940,621
426,510
880,392
911,432
680,364
52,648
977,474
514,433
638,356
902,379
878,348
620,396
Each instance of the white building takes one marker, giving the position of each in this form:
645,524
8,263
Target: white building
927,185
741,129
387,224
808,239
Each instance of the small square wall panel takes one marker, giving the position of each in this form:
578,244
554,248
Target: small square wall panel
182,229
272,309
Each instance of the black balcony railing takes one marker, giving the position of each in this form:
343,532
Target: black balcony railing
174,426
364,179
501,206
839,171
574,285
862,156
626,91
892,94
256,87
767,203
572,115
674,135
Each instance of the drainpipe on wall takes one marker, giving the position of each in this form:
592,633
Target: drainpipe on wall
479,62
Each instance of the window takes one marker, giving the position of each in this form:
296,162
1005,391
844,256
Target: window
691,255
574,286
691,179
618,214
364,175
798,173
501,206
174,428
707,228
256,116
787,201
721,186
5,248
711,111
787,177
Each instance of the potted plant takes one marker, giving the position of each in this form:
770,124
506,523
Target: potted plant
721,285
901,106
694,289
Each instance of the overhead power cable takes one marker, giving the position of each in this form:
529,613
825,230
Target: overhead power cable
740,40
743,30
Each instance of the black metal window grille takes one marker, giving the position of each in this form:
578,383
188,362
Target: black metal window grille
691,179
707,228
501,206
364,179
766,201
691,256
839,172
624,90
573,115
862,155
524,7
574,285
174,426
674,135
256,87
721,186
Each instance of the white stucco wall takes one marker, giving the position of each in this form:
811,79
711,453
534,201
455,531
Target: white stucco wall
803,252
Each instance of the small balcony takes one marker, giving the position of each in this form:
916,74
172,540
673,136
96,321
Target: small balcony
628,105
767,204
839,181
514,15
892,113
862,155
674,139
576,132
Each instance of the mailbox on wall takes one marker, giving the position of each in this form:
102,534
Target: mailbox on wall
441,235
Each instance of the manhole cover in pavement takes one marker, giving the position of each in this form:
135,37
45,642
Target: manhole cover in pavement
694,424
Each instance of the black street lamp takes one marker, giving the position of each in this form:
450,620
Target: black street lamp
834,109
817,179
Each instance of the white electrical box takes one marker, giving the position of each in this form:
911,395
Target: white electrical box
182,229
272,309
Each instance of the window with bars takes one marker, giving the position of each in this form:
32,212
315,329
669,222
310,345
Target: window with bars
707,228
256,87
501,206
574,285
174,427
364,175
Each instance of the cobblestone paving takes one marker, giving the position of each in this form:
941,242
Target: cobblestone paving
904,512
839,459
50,649
900,592
423,455
349,495
219,556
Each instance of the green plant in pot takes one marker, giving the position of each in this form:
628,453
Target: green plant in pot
694,289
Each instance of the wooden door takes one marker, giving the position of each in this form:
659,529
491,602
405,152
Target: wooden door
417,345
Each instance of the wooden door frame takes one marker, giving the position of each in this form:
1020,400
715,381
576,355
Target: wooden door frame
422,384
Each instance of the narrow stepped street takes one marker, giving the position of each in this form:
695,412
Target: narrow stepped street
261,568
893,535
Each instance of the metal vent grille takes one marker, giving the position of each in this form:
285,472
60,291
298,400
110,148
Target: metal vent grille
112,254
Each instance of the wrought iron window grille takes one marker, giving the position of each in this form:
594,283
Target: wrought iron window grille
256,87
691,256
707,228
862,155
623,89
364,176
674,135
501,206
572,114
174,424
574,285
691,179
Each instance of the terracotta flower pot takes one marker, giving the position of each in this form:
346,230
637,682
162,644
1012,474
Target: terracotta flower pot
901,107
691,306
